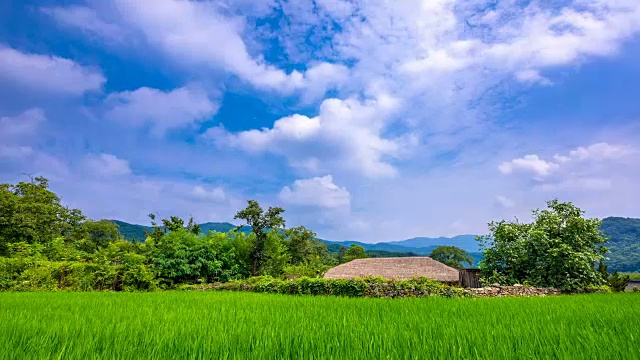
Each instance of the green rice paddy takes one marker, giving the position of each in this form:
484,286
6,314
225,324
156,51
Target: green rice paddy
223,325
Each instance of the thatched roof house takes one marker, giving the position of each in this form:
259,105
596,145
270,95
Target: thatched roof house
399,268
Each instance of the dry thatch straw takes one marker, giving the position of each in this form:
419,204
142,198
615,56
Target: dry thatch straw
398,268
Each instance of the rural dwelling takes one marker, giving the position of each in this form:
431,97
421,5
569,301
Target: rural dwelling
398,268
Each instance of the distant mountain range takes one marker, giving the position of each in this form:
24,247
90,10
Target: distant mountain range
624,234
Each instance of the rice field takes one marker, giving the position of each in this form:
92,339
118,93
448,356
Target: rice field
227,325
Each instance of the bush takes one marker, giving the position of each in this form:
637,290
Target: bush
24,275
365,287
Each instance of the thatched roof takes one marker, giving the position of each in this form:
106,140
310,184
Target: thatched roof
400,268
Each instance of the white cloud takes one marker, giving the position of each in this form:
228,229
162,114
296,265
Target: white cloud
215,194
346,133
25,124
529,163
45,73
85,19
505,202
318,191
542,168
197,33
161,110
337,8
588,168
107,165
600,151
532,76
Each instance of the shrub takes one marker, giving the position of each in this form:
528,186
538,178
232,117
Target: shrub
365,287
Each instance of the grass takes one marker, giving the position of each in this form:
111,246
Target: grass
222,325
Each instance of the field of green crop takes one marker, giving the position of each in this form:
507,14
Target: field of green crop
221,325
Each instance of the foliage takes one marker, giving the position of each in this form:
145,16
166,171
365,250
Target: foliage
451,256
558,249
618,282
364,287
354,252
260,223
180,256
31,213
83,254
312,270
95,235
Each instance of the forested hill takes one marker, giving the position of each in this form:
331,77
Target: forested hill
137,232
624,242
624,234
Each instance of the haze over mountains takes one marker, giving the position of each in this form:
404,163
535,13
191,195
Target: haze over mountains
624,242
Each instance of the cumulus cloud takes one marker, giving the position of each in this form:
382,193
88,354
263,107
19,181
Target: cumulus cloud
318,191
582,169
161,110
529,163
107,165
347,133
215,194
47,73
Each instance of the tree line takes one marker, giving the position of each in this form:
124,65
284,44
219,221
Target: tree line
46,244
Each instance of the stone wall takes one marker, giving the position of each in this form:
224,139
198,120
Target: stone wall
496,290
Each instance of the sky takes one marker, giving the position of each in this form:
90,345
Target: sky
366,120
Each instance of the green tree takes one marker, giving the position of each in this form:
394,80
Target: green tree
558,249
618,282
354,252
261,222
451,256
94,235
31,213
299,243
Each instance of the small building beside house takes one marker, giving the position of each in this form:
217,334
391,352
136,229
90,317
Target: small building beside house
397,268
632,284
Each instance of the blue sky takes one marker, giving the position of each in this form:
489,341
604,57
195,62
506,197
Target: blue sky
365,120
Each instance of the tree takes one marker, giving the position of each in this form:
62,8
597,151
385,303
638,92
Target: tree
31,213
451,256
558,249
174,223
354,252
260,223
95,235
299,242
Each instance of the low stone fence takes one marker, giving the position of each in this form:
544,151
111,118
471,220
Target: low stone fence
496,290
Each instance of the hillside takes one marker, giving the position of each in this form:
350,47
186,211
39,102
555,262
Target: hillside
624,243
467,242
137,232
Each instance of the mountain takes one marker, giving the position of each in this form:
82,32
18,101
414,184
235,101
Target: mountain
137,232
624,243
466,242
389,246
133,232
